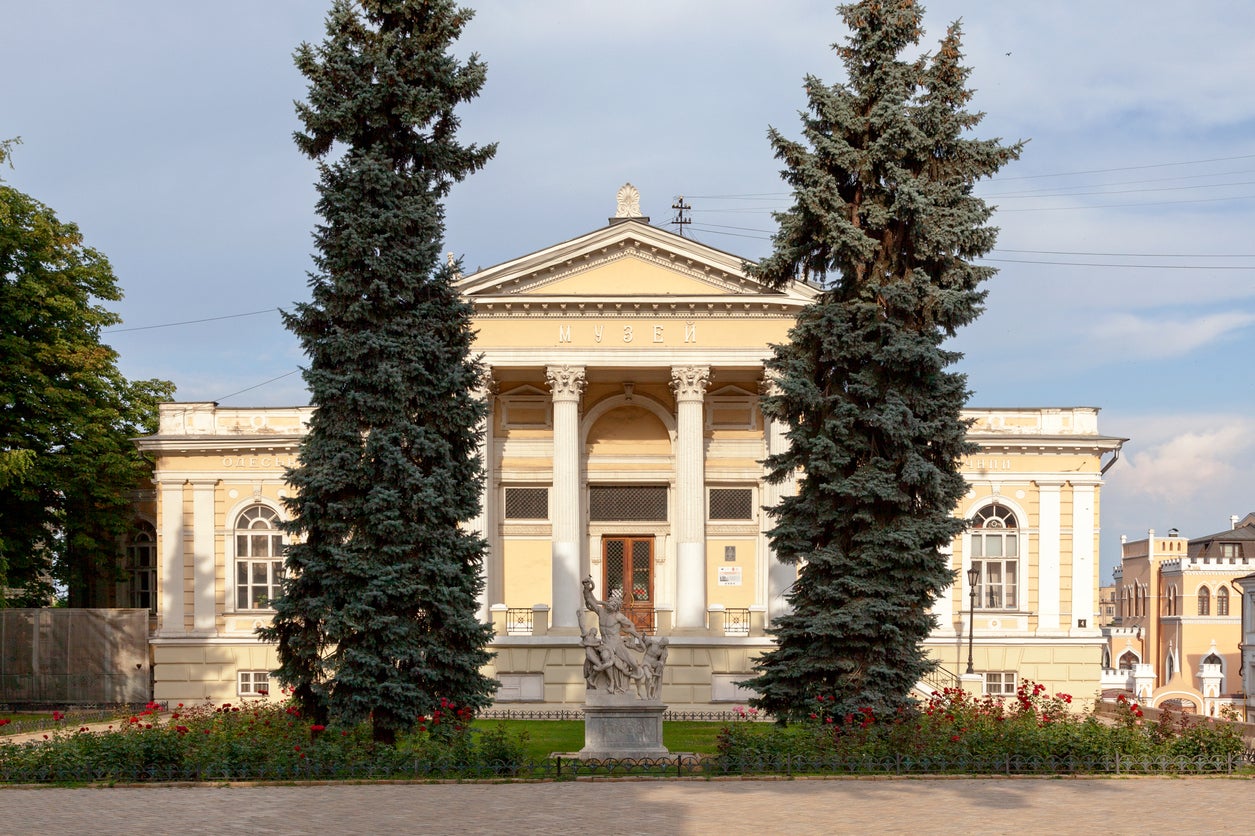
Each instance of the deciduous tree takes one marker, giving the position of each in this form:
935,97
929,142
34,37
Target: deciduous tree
885,222
68,468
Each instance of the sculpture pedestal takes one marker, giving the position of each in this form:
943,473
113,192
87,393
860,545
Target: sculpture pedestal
622,726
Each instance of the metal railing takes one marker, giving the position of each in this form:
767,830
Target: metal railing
392,765
518,621
736,621
645,618
941,679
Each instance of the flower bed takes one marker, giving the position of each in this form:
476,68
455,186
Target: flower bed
1032,732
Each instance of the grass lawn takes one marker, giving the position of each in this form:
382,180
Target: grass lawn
544,737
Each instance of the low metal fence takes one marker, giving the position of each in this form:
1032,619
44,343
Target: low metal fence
401,767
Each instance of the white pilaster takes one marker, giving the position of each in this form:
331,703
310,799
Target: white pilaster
567,385
1048,566
172,579
485,523
1083,528
689,385
780,576
204,559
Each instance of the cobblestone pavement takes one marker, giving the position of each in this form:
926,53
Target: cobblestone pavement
917,806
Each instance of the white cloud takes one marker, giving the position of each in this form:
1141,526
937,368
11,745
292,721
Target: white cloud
1133,336
1188,465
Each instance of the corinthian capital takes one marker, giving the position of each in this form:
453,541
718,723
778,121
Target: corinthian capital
689,382
565,382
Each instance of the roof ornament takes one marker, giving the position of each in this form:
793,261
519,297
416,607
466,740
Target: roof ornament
629,202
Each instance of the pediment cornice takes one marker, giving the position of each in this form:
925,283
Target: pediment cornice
518,286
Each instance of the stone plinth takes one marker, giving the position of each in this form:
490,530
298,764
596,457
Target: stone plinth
622,726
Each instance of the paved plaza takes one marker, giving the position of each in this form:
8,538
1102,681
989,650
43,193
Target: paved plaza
917,806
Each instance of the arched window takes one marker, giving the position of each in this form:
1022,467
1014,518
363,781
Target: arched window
1204,601
1170,666
1222,601
1170,601
258,558
141,564
1127,660
995,552
1213,659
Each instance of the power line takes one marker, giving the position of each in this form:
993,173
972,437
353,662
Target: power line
1122,191
1128,255
1133,266
1125,183
1123,168
256,386
1128,205
188,322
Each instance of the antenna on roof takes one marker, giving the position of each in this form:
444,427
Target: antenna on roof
680,221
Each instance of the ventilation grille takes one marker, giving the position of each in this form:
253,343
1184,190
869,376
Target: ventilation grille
635,503
527,503
731,504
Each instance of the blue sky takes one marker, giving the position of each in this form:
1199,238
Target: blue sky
1127,254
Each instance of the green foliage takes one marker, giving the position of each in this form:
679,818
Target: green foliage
378,616
957,732
67,415
255,739
885,223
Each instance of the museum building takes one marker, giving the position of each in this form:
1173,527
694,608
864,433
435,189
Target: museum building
625,442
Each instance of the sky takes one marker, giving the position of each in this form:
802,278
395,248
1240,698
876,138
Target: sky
1126,253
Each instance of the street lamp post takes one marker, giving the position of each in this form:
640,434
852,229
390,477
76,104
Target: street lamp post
973,577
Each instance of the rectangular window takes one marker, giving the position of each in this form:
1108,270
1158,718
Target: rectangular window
997,587
253,683
627,503
731,504
527,503
1000,683
257,582
1230,549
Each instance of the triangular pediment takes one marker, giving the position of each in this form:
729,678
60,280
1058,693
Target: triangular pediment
630,260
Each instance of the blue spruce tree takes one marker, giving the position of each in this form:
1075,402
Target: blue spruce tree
378,615
885,223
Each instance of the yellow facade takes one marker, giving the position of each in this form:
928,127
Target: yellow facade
625,442
1177,639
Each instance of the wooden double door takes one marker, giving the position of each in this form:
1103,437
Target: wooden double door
628,564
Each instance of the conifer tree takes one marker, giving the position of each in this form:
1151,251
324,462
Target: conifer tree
885,223
378,614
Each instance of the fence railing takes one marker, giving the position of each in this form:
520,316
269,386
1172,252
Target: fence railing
397,765
736,621
519,621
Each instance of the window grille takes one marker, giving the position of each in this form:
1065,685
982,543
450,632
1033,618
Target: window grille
259,552
141,559
527,503
254,683
631,503
994,547
731,504
1000,683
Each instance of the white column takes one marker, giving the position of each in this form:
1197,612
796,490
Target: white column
780,576
1083,566
485,523
567,384
204,559
1048,568
689,385
172,580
